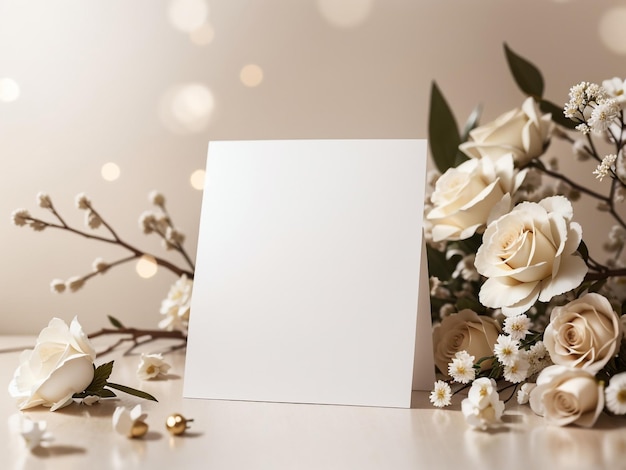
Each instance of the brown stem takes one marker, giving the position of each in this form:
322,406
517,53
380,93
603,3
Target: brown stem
573,184
134,334
597,276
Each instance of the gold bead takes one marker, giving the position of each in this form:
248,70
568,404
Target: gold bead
176,424
138,429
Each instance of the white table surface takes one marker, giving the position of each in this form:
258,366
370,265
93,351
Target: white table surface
253,435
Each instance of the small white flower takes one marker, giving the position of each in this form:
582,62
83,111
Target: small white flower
20,217
156,198
466,269
124,420
90,400
174,236
517,327
92,220
44,201
37,225
175,308
506,350
99,265
441,395
75,283
538,358
152,366
483,408
523,394
615,394
604,168
603,116
517,371
461,369
82,202
147,222
34,432
57,286
615,89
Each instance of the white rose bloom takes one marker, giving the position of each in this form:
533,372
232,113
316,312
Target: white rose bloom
529,254
176,306
464,196
524,132
567,396
585,333
60,365
152,366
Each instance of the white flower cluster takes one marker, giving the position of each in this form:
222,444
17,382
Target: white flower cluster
483,408
160,223
175,308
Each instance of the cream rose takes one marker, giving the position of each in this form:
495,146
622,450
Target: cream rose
465,195
60,365
567,396
176,307
585,333
530,254
523,132
464,331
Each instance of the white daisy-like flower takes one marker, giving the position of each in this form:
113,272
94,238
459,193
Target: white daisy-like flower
517,371
523,394
20,217
44,201
461,369
615,394
82,202
603,116
152,366
517,327
615,89
506,349
441,395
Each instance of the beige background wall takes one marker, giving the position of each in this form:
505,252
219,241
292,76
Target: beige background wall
127,82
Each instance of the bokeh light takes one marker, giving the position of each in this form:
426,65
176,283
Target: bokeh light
197,179
612,31
110,171
203,35
146,267
187,108
345,13
9,90
251,75
188,15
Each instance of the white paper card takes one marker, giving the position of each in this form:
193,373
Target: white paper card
308,273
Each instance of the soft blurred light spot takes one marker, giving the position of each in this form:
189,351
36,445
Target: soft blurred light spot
197,179
345,13
188,15
110,171
251,75
612,31
187,108
146,267
9,90
203,35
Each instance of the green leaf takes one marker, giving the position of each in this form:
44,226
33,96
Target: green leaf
526,75
106,393
131,391
596,286
557,114
583,250
472,122
115,322
443,132
472,304
624,310
438,265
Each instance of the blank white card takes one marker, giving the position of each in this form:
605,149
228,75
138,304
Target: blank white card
308,274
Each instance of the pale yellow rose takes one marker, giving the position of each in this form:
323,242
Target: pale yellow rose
464,331
524,132
585,333
60,365
465,195
529,254
567,396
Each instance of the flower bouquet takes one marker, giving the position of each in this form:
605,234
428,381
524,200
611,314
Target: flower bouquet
519,301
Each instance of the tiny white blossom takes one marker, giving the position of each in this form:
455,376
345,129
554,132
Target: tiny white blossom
37,225
517,371
506,350
124,419
584,128
517,326
44,201
92,220
57,286
156,198
147,222
99,265
441,395
174,237
615,89
20,217
483,408
538,358
75,283
152,366
604,168
82,202
603,115
34,432
523,394
461,369
90,400
615,394
466,269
